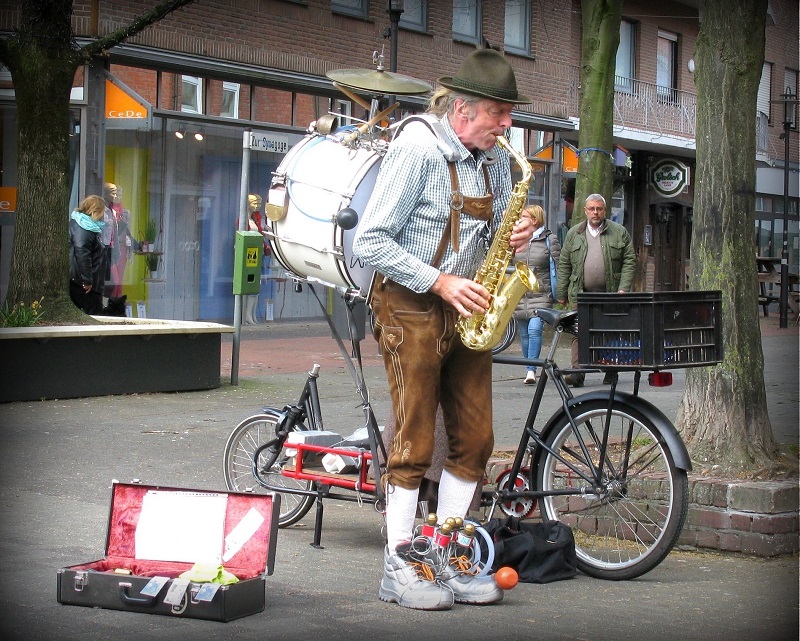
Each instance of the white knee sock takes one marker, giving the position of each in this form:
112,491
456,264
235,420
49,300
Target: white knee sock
455,496
401,510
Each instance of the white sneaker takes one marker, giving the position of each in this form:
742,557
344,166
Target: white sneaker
530,378
412,584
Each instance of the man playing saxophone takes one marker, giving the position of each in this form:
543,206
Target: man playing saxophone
442,190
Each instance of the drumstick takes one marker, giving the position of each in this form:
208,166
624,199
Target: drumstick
352,96
376,118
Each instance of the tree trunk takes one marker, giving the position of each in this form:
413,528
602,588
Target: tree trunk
43,57
723,414
600,39
43,64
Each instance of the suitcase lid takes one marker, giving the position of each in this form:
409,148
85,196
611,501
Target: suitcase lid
234,529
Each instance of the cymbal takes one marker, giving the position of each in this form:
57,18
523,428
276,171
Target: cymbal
379,81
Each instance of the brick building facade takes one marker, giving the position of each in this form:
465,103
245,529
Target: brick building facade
221,67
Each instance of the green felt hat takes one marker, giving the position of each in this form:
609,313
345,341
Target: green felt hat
487,74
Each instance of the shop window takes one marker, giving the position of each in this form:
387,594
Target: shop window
415,15
666,66
192,94
626,54
467,20
518,27
355,8
230,100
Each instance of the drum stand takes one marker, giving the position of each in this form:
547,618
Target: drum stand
376,445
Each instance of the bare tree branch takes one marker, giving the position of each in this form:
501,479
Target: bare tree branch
140,23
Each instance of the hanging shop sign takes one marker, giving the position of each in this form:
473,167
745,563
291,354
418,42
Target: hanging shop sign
669,177
8,199
569,156
123,106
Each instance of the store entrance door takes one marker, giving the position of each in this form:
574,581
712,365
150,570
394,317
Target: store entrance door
669,234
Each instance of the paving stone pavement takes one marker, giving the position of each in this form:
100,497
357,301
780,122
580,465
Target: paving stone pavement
60,456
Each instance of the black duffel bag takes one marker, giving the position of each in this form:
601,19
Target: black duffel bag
539,552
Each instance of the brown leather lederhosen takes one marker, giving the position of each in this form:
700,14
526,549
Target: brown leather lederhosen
427,365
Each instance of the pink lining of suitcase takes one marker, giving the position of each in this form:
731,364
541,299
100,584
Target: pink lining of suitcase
249,562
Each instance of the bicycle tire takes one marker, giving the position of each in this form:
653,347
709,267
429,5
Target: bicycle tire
632,524
243,441
509,336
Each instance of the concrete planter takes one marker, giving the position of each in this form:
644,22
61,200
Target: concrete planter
121,356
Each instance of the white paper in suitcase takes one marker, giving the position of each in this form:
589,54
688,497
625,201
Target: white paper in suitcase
155,534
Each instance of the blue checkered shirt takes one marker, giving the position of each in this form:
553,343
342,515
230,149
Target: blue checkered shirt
410,206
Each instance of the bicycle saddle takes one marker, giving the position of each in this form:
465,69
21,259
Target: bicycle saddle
556,317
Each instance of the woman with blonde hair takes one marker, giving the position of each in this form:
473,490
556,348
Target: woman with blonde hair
87,266
542,248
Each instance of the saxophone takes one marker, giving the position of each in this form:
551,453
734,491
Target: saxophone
483,331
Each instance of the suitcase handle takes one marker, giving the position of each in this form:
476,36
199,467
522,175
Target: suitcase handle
134,600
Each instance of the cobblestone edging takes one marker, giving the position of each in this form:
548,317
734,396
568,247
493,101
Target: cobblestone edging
730,515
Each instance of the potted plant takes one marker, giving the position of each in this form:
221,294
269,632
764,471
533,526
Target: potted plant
148,233
151,259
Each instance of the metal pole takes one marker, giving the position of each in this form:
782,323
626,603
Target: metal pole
395,9
788,106
242,226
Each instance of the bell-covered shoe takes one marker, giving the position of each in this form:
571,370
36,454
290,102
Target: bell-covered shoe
412,583
467,587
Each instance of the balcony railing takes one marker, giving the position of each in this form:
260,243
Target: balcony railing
641,105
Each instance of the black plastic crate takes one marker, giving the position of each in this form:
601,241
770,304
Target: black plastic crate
656,330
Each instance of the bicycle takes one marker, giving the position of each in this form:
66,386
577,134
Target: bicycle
508,338
607,463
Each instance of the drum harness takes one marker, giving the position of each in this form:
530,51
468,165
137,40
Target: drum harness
479,207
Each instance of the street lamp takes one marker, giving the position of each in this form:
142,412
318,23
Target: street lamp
395,9
789,102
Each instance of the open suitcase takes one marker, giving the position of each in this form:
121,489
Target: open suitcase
155,534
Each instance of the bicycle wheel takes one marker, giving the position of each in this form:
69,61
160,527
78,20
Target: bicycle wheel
627,526
238,459
509,335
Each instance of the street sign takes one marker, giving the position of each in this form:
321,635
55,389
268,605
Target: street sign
269,141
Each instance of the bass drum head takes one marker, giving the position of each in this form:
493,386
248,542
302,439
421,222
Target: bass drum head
321,176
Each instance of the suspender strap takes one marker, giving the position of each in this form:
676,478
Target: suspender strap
478,207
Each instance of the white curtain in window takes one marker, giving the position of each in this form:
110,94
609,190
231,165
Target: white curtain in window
764,91
624,70
466,20
517,28
665,61
191,94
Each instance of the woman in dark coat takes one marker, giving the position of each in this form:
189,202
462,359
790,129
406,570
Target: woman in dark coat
87,257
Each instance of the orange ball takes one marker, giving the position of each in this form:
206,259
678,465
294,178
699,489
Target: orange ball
506,578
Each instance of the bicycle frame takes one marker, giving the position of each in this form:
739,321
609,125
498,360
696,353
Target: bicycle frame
533,443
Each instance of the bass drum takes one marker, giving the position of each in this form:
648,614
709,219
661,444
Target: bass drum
317,179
